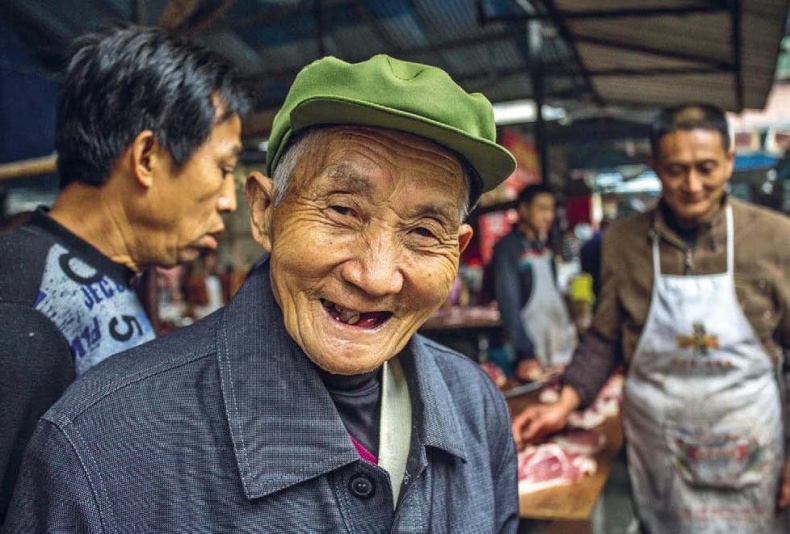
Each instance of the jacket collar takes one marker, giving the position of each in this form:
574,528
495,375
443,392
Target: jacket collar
527,242
662,226
283,424
436,423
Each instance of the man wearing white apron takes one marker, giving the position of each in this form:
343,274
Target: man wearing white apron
695,299
545,315
534,314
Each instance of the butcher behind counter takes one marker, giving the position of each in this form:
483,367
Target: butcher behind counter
696,299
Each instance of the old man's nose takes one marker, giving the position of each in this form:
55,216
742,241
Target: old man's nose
376,270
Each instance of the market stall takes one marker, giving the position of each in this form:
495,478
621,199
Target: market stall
566,506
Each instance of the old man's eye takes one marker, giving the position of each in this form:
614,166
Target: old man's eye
342,210
424,232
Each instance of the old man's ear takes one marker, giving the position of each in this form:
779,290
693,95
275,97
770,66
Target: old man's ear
260,197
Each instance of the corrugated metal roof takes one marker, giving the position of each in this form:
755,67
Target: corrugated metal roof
603,52
725,53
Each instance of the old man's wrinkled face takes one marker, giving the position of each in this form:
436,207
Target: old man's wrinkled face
365,245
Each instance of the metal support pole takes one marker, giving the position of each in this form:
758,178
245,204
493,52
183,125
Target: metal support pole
535,38
319,23
139,12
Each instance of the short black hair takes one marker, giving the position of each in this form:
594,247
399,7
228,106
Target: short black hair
689,117
528,194
123,80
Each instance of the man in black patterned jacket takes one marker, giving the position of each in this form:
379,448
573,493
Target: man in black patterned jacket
139,187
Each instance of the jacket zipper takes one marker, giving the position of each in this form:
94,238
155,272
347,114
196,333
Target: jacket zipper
688,261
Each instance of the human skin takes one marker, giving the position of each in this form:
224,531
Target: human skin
694,168
149,212
365,244
536,217
188,203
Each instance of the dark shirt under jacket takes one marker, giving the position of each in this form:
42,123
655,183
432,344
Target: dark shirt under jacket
226,426
358,401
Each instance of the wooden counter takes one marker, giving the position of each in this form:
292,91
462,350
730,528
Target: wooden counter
572,502
468,330
455,318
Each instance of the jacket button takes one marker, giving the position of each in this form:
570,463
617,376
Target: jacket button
362,486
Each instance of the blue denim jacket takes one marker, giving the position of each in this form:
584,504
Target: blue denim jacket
225,426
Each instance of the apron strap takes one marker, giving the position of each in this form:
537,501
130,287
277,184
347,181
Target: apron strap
730,242
656,257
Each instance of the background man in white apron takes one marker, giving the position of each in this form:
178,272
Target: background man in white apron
533,311
695,298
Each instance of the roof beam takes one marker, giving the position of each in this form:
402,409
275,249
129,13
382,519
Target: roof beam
736,53
557,69
567,36
407,53
28,167
195,22
600,14
280,13
655,51
176,13
656,71
364,13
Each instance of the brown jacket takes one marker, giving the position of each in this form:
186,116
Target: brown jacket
762,279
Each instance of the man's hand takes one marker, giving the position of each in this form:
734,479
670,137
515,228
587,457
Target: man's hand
784,488
538,421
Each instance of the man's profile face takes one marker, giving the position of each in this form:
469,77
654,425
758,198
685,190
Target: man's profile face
694,168
365,245
190,201
538,214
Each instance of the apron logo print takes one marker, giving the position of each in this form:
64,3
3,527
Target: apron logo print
739,452
700,341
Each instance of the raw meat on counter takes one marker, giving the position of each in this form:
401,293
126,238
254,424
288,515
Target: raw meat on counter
548,465
606,404
611,395
540,373
579,440
589,418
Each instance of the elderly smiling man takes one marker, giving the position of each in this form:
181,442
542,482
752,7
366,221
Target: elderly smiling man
309,404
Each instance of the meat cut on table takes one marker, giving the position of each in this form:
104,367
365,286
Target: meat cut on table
613,388
547,465
606,404
580,440
589,418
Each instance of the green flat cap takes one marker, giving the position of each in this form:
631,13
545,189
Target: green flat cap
390,93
